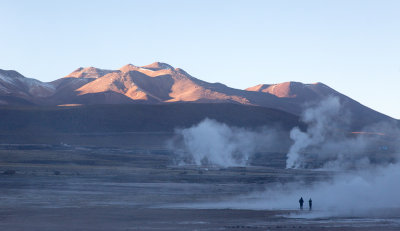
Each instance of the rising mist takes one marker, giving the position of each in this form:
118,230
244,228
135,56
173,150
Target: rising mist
364,164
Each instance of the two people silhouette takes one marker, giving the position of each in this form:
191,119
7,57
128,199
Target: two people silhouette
301,202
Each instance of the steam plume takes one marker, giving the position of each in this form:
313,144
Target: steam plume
330,143
213,143
319,120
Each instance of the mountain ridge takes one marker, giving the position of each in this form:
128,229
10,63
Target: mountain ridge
160,83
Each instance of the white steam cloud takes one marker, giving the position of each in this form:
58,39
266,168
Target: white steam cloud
214,143
362,193
371,185
319,120
329,143
211,142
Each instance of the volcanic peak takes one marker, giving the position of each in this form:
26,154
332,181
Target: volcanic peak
88,72
158,66
281,90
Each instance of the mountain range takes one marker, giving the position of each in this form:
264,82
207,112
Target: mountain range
161,83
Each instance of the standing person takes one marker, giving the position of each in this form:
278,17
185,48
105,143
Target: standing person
301,201
310,204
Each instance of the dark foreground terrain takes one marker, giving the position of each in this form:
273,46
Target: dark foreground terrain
138,186
122,218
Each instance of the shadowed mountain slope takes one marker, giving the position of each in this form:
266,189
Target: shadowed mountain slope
137,118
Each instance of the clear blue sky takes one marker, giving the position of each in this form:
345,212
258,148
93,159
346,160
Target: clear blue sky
352,46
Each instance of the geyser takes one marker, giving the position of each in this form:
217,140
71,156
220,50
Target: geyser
213,143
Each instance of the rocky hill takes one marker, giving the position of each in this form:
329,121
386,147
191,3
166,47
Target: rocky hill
161,83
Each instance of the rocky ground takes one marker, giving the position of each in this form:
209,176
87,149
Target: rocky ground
77,187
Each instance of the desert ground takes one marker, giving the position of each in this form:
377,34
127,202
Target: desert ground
132,182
